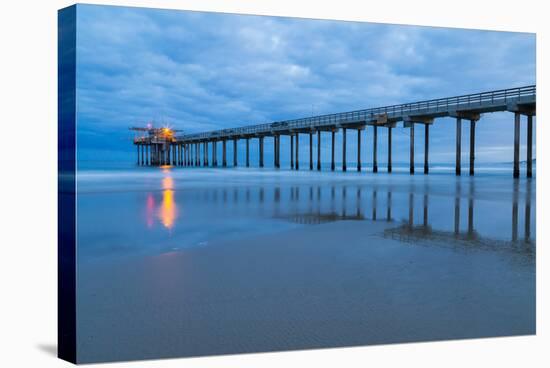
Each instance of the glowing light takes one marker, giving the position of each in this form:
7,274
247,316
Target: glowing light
168,209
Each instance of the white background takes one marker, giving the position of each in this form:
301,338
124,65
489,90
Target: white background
28,197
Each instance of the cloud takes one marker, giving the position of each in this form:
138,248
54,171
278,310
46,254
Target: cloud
204,71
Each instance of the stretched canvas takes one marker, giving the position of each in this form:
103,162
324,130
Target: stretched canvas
236,183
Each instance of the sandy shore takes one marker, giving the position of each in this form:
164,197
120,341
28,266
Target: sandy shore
328,285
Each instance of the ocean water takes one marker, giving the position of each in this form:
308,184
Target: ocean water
199,261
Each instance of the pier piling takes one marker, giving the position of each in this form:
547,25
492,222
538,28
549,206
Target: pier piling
332,165
310,151
458,145
318,150
411,153
161,145
375,149
261,143
426,147
472,145
516,144
297,150
291,152
344,149
235,152
224,153
529,146
359,149
247,152
389,149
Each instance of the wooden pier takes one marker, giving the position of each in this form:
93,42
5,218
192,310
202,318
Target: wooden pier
161,146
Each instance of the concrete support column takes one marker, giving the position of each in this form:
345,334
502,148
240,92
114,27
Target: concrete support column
529,146
235,152
278,152
224,153
214,153
426,148
344,168
247,152
291,152
261,151
275,152
185,154
206,153
332,165
375,150
516,144
411,153
197,154
472,145
318,150
137,152
359,149
174,155
458,144
311,151
389,149
297,151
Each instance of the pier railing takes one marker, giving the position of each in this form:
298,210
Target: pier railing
440,105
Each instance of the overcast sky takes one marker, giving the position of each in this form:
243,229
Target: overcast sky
203,71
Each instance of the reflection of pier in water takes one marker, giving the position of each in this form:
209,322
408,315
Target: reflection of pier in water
319,204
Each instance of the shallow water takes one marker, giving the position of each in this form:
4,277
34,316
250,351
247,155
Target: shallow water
197,261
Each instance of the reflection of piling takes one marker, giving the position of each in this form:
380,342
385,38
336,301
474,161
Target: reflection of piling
425,215
343,201
471,210
358,201
411,209
374,205
388,208
457,210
